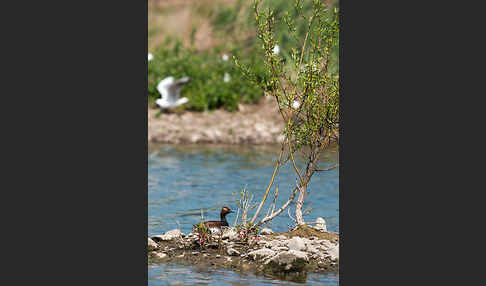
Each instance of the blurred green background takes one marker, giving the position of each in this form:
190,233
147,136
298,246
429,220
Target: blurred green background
189,38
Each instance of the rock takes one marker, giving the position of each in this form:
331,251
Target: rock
230,234
171,234
333,252
325,244
296,243
275,244
261,253
266,231
291,260
281,237
312,249
152,245
232,252
159,255
261,242
320,224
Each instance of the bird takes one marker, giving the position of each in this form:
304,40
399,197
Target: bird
215,225
170,90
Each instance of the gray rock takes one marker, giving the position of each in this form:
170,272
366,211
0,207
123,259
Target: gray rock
232,252
312,249
266,231
230,234
275,243
152,245
171,234
333,252
296,243
320,224
261,242
281,248
159,255
291,260
261,253
325,244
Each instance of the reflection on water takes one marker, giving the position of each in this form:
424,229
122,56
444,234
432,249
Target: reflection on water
182,180
173,274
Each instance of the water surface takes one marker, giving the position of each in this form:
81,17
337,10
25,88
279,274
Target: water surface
182,180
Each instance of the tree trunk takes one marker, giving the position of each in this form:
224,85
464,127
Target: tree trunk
298,205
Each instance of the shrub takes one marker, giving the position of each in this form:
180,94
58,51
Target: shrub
206,90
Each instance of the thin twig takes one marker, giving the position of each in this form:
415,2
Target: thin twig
328,169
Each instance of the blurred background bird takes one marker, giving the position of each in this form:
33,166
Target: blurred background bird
170,90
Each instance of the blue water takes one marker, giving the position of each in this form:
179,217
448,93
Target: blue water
182,180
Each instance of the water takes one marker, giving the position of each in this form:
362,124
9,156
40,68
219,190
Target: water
182,180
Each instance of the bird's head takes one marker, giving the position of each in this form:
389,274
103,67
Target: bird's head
226,210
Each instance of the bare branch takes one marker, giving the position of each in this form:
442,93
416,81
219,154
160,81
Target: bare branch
277,165
328,169
283,207
290,216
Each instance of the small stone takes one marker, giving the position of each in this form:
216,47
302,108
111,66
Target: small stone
195,253
281,237
296,243
333,252
171,234
152,245
159,255
266,231
182,255
261,253
290,260
281,248
232,252
230,234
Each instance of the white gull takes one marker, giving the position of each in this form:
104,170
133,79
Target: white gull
170,90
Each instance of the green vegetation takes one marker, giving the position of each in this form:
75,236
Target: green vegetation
235,29
207,90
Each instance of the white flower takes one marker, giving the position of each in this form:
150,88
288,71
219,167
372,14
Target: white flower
150,57
225,57
227,77
276,49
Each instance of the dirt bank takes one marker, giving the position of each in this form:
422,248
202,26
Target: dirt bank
286,255
252,124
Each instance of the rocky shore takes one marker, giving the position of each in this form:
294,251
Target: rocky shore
287,255
251,124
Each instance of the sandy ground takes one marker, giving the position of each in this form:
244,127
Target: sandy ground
252,124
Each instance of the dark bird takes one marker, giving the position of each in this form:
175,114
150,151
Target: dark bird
217,224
